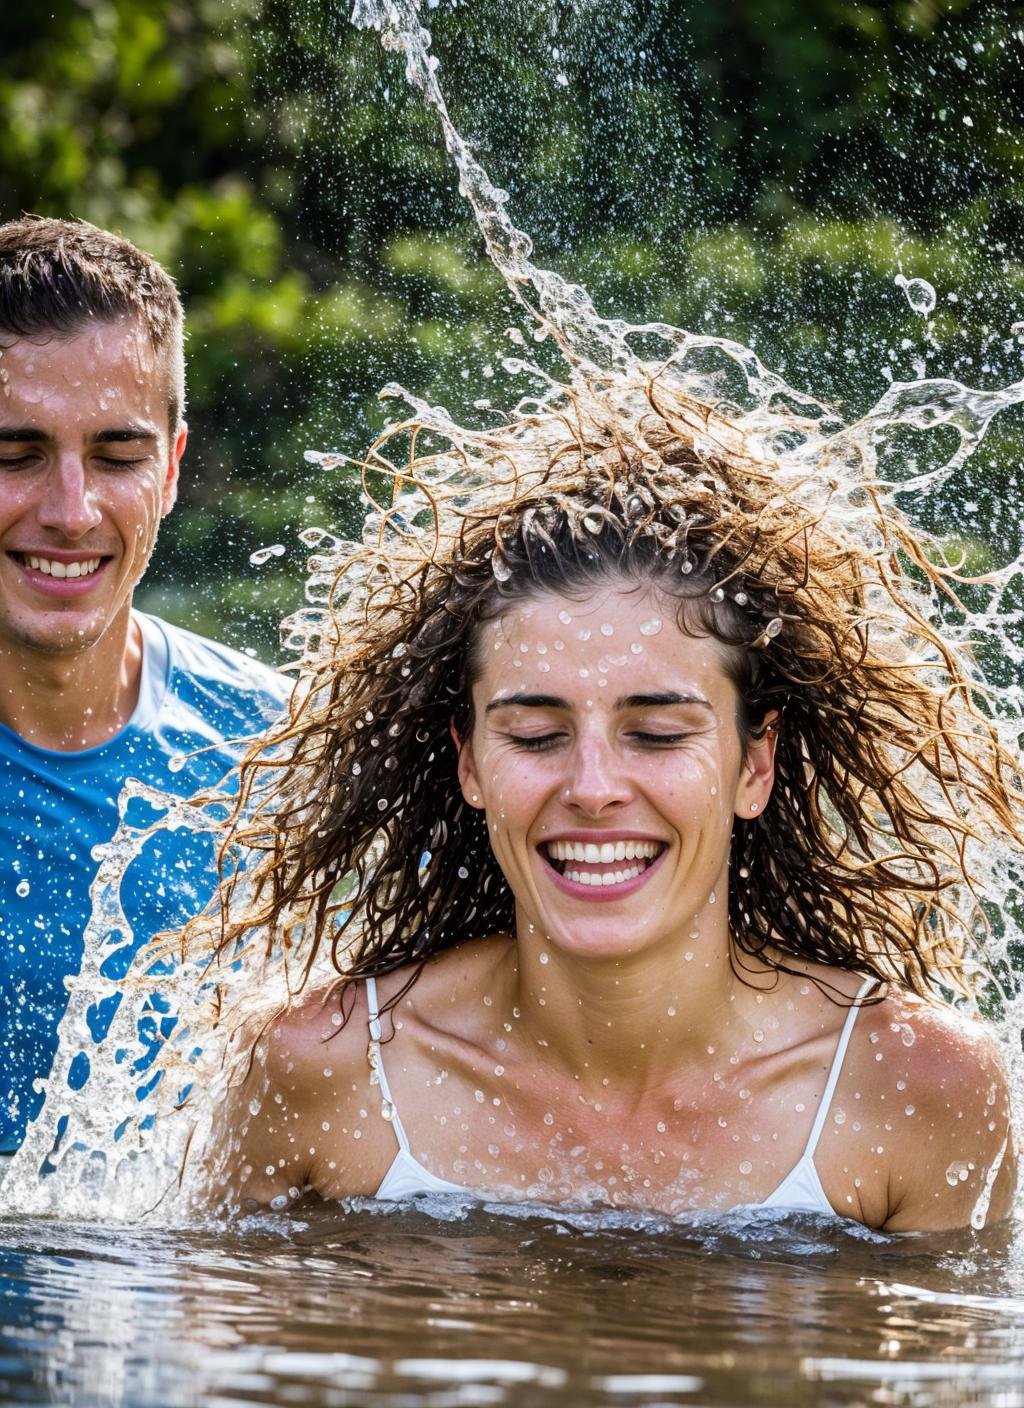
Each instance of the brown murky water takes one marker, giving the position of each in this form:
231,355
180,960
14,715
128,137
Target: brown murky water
451,1308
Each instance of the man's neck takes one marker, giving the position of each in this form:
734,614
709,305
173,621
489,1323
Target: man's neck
70,702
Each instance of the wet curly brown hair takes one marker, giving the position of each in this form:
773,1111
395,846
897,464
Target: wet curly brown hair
889,765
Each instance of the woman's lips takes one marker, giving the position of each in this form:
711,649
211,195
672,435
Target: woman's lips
601,871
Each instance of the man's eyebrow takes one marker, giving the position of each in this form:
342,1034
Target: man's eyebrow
123,434
20,434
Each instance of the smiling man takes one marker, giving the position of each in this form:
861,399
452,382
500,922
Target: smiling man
92,692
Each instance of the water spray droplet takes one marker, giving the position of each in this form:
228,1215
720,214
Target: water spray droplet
919,294
262,555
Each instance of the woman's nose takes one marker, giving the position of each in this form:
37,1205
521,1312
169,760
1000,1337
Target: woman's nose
596,780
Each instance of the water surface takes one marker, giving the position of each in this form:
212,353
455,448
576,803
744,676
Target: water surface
452,1306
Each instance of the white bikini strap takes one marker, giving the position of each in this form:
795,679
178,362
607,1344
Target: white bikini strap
377,1063
837,1067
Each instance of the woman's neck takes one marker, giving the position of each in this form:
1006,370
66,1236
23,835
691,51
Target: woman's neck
636,1017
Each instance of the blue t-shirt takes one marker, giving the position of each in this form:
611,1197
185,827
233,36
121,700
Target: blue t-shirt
196,701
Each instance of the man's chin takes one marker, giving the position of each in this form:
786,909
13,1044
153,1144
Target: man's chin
65,633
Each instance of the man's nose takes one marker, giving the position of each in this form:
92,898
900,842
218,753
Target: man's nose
596,780
68,505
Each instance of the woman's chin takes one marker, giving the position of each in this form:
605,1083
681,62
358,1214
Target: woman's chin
595,940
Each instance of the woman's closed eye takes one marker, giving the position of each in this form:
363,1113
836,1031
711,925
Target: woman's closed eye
535,742
541,742
656,740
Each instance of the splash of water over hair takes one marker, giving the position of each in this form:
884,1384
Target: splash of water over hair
896,794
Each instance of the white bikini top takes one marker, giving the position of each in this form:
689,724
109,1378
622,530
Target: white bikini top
799,1191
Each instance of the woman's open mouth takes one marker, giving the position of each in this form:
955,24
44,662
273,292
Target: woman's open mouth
601,864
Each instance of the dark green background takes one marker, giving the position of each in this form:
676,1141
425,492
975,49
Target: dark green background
761,169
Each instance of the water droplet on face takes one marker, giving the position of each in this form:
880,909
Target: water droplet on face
909,1110
919,294
651,627
549,1119
542,958
607,629
564,617
839,1117
759,1036
957,1172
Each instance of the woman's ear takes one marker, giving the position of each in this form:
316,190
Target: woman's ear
757,774
466,767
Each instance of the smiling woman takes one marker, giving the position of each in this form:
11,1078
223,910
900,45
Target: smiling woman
633,800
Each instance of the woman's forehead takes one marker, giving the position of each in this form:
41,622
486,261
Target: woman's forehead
599,641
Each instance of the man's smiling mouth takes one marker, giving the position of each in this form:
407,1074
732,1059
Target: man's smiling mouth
50,567
601,864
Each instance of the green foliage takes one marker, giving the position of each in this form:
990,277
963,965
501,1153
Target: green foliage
762,169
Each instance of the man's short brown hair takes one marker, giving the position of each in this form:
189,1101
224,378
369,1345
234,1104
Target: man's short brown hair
58,276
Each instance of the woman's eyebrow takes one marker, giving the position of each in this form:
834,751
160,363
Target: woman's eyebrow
655,701
524,700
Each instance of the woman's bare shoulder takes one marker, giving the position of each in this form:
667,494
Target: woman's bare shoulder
449,982
330,1021
947,1112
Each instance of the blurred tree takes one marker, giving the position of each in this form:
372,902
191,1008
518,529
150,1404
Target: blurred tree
763,170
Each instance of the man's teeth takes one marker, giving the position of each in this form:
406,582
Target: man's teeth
64,569
591,854
610,877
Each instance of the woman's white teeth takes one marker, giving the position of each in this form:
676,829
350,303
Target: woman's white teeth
609,877
64,569
605,854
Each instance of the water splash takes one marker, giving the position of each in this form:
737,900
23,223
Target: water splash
919,294
920,438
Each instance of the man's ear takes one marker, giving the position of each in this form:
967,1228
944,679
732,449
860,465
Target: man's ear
170,490
757,774
466,767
